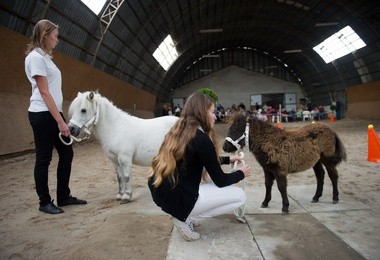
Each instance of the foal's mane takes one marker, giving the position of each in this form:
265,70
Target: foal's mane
257,126
237,118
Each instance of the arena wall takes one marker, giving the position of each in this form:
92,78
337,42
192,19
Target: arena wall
234,85
364,101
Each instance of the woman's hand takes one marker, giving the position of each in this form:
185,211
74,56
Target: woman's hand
64,128
246,170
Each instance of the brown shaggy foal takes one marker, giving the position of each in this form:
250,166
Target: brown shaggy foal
281,151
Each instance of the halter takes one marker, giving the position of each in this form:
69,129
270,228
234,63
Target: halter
85,128
236,142
238,146
240,212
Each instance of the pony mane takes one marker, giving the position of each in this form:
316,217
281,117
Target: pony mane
238,118
262,126
98,99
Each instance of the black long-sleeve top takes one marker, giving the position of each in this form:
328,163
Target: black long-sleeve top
179,201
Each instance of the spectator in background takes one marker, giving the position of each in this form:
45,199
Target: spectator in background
292,117
177,110
242,109
321,112
257,106
338,109
284,115
165,110
315,113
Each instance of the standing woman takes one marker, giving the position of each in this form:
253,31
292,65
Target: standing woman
188,149
46,117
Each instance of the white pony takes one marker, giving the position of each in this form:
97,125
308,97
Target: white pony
124,138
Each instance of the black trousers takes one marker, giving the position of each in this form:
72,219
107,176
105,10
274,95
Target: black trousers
45,130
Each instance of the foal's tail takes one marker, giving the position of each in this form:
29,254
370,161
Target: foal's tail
340,150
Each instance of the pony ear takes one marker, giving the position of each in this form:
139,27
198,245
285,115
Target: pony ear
90,96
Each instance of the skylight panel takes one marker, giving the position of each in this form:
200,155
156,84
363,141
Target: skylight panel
95,5
339,44
166,53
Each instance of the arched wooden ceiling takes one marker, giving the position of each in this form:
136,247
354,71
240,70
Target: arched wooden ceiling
123,42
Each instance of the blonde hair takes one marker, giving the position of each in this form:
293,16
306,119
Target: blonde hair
193,115
40,31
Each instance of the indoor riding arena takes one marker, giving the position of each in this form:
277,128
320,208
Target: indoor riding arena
291,58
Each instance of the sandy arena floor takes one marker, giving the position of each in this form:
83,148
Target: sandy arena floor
106,229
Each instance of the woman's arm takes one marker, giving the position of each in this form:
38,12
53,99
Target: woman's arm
43,87
207,155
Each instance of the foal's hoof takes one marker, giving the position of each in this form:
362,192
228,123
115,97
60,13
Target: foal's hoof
285,211
314,200
335,201
264,205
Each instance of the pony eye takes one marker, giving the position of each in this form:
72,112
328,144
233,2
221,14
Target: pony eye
83,111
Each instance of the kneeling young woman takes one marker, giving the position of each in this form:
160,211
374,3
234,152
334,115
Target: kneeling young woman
189,149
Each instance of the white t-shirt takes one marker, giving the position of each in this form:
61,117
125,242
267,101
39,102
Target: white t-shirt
37,62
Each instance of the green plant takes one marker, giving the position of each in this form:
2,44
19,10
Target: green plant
209,92
332,107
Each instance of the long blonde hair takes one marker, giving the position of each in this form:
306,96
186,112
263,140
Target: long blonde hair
40,31
193,115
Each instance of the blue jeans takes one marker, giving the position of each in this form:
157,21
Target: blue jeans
45,131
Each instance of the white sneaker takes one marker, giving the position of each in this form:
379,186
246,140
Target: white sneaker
186,229
240,214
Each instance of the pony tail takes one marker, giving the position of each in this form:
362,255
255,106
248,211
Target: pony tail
340,150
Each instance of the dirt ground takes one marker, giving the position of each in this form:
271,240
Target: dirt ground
106,229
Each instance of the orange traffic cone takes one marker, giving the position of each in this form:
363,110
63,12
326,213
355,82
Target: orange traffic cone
373,145
332,118
279,125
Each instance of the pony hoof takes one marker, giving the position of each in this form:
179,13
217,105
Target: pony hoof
264,205
314,201
125,201
285,210
125,198
335,201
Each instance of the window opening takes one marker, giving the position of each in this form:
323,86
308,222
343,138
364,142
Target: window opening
95,5
339,44
166,53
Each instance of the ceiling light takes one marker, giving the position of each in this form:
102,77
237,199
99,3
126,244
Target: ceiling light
270,67
292,51
326,24
210,30
211,56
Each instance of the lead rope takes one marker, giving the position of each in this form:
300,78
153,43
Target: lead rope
93,120
240,212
